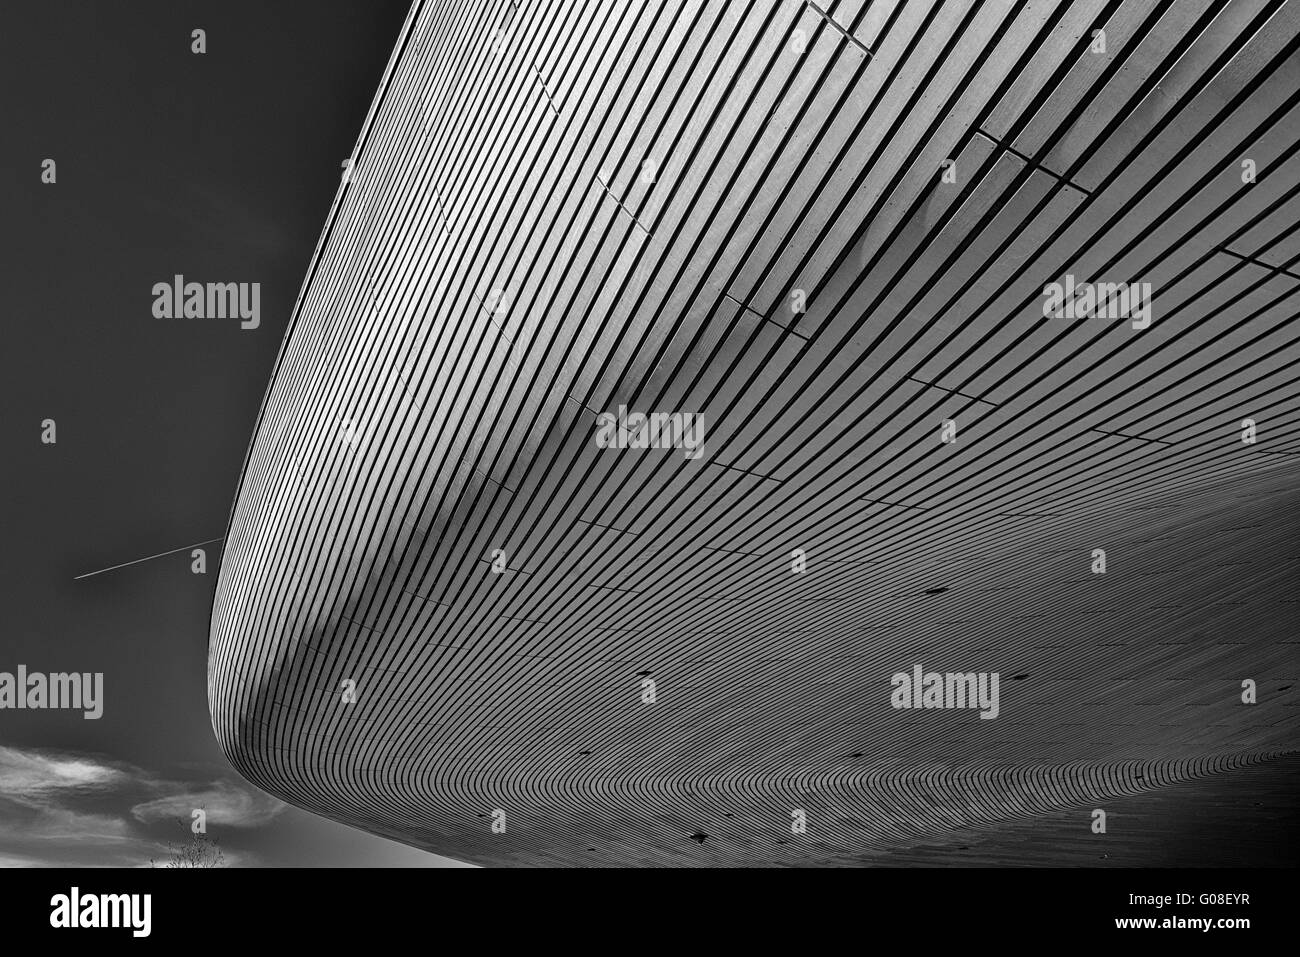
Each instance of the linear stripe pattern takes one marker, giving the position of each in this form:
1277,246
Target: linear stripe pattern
441,601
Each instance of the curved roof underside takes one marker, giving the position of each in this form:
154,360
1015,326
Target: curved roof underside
558,208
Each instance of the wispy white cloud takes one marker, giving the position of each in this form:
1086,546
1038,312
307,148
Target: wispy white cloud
224,803
37,774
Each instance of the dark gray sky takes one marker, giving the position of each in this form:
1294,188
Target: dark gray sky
220,167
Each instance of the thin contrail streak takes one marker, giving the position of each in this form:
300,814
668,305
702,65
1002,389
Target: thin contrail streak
147,558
